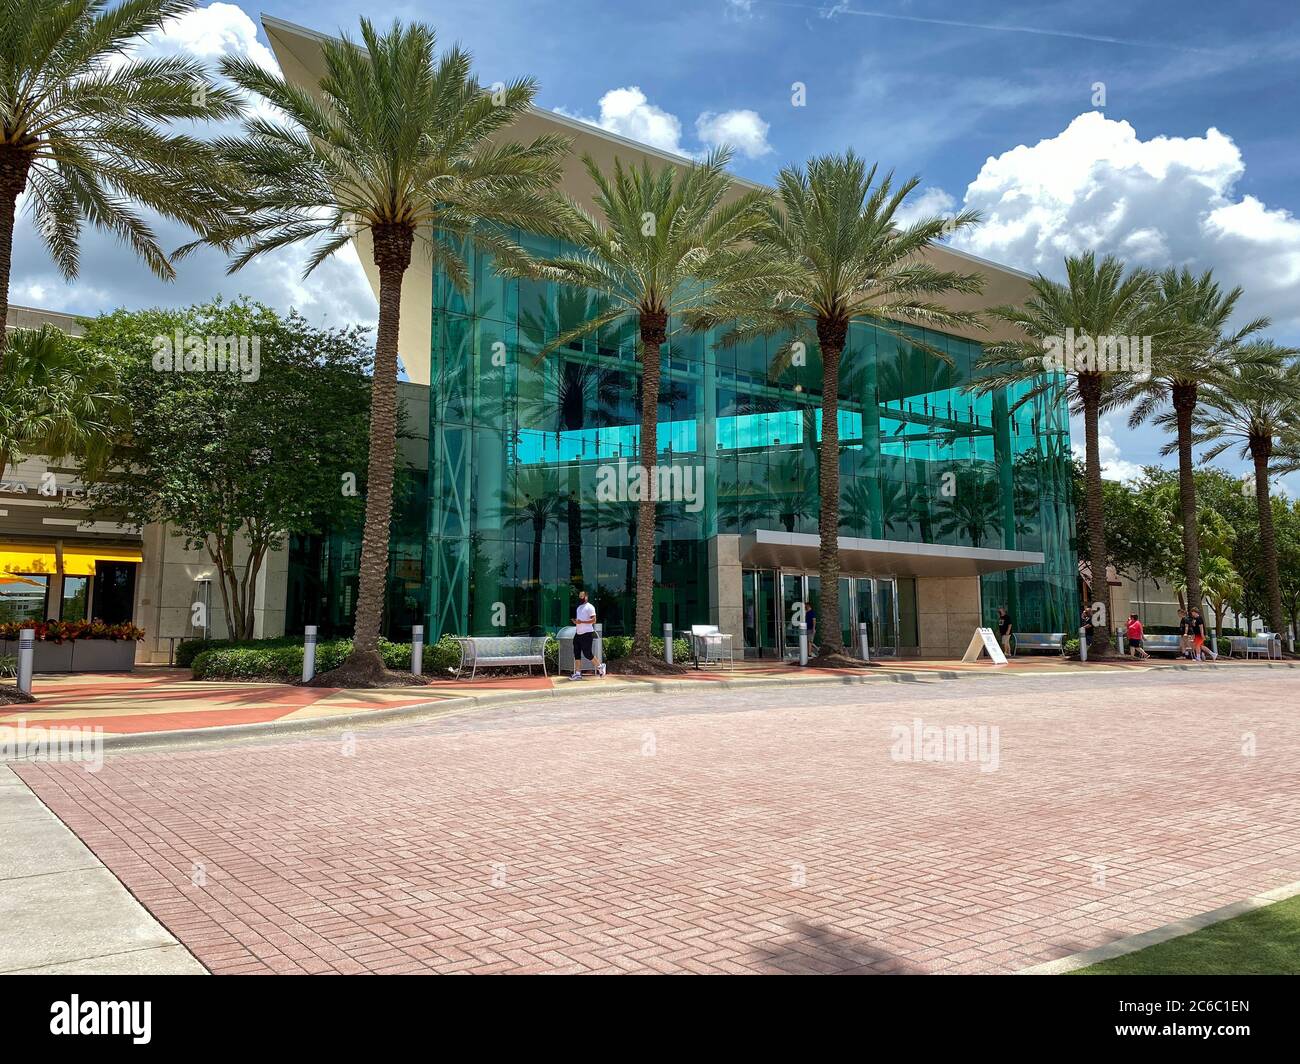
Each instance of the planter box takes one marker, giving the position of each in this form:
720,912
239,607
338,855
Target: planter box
79,655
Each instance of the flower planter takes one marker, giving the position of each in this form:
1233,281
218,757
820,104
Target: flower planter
103,655
78,655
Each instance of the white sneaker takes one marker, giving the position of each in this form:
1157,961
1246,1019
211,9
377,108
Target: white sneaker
601,670
576,676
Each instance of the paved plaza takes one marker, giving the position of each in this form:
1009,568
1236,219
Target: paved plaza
786,829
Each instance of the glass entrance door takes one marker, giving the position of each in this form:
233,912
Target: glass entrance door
792,613
761,613
886,616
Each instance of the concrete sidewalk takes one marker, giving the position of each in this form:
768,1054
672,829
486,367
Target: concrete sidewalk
63,912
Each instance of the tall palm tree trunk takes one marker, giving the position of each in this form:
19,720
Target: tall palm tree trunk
1261,451
654,330
830,639
1184,398
14,164
1090,393
392,257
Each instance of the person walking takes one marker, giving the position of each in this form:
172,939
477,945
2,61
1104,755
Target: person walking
1184,634
1134,633
1086,626
1198,635
810,619
584,641
1004,630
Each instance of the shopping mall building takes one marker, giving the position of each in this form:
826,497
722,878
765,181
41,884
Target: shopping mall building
951,504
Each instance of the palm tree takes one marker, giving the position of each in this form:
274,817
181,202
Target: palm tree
80,129
1198,347
396,143
59,399
1256,405
841,256
1098,301
668,245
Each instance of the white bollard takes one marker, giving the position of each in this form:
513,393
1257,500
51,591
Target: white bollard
1214,644
1290,640
309,653
417,650
668,643
803,642
863,641
1083,644
26,659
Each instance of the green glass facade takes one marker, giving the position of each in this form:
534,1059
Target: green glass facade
518,441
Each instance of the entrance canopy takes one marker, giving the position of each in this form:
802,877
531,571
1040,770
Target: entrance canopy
769,549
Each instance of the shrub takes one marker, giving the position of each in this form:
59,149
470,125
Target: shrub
8,665
620,646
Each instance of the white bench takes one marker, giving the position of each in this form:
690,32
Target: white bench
709,646
1162,644
1052,641
501,651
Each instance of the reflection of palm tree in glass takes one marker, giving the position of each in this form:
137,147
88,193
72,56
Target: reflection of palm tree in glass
747,507
796,490
534,499
974,508
855,507
622,517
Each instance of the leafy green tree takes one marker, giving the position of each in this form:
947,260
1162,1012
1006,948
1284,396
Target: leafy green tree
1099,300
234,465
1256,407
394,146
668,244
58,398
82,129
1221,585
1198,346
837,253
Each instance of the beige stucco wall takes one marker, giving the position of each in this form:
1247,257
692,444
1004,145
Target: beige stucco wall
947,614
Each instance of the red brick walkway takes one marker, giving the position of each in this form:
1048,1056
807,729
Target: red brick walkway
742,831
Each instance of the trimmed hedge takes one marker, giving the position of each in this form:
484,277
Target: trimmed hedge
280,660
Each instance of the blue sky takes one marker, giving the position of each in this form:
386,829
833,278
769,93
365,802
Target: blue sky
1191,159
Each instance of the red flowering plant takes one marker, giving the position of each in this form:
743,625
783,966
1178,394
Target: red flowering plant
68,631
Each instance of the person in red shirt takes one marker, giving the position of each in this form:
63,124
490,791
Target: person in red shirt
1134,633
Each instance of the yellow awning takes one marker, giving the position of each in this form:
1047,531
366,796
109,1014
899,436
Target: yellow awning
78,560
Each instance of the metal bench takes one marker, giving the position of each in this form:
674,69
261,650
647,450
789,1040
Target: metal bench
1053,641
1264,646
1162,644
710,646
501,651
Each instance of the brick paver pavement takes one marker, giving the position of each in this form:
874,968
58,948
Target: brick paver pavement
729,831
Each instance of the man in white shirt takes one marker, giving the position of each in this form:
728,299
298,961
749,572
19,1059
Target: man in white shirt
584,643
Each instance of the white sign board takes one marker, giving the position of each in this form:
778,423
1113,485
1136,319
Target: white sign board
985,640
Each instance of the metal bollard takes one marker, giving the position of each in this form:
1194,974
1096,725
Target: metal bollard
1214,644
309,653
668,643
803,642
863,642
1083,644
26,659
417,650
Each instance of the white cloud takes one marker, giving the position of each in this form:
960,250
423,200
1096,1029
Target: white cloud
1113,467
744,130
111,276
925,204
629,113
1163,201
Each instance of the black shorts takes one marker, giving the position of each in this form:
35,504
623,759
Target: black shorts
583,644
1135,643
